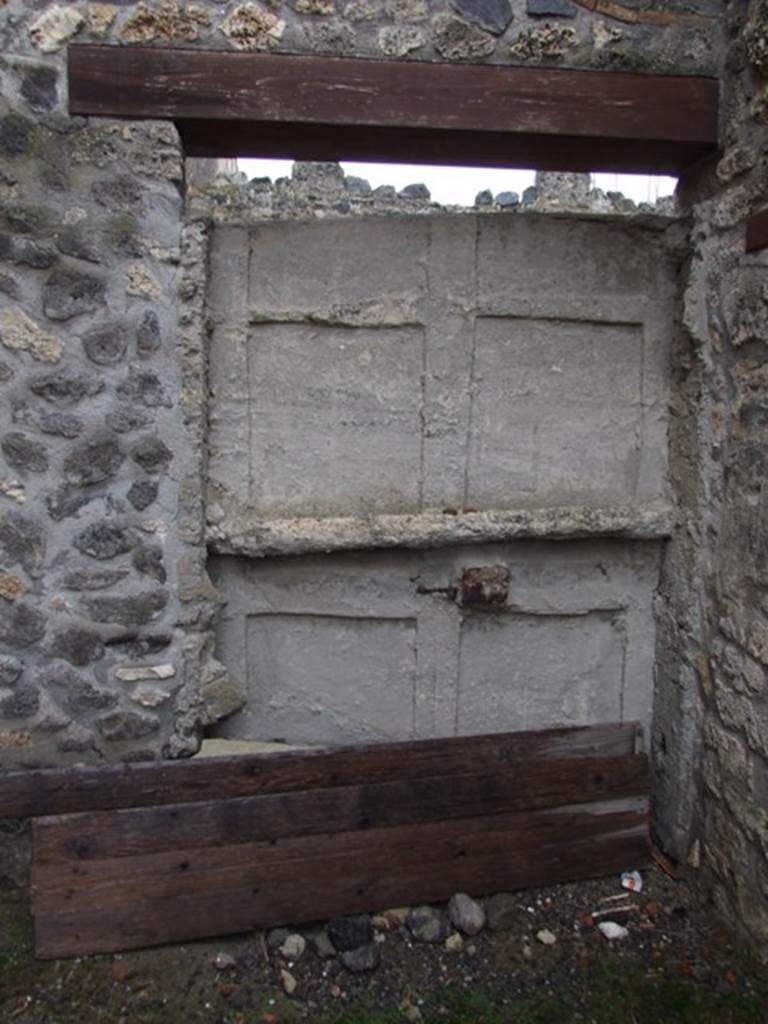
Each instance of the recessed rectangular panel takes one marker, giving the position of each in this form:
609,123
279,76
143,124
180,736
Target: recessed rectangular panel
330,678
335,419
534,671
556,412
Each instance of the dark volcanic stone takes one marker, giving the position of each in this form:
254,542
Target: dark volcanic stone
106,345
427,924
38,87
72,244
145,388
22,542
61,423
93,462
26,252
148,334
350,932
77,646
492,15
127,725
123,421
142,493
148,560
20,625
103,540
141,646
416,191
23,453
121,193
92,579
8,286
22,703
64,503
70,293
73,692
131,610
10,669
65,387
15,135
364,958
551,9
151,454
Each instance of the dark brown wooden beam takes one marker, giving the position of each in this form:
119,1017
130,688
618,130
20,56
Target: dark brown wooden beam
757,232
336,108
154,783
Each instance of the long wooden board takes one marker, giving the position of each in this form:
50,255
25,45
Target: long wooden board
151,783
256,104
376,825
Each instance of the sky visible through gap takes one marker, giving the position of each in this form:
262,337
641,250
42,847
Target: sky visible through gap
459,185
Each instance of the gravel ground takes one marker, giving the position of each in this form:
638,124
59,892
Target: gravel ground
240,980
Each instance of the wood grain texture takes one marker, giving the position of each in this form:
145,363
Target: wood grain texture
381,825
756,235
332,108
153,783
102,906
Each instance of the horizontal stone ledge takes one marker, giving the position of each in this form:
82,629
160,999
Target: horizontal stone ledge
258,538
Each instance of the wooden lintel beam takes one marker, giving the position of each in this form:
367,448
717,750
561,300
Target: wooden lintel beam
756,235
331,108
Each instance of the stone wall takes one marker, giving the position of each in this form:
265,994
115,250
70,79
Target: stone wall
711,743
105,608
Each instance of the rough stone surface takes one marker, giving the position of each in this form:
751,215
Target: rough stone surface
131,610
152,454
142,494
250,26
23,453
148,335
93,462
427,924
22,702
22,542
348,933
77,646
492,15
70,293
456,39
66,387
21,334
127,725
363,959
466,914
21,625
106,345
103,540
551,8
10,669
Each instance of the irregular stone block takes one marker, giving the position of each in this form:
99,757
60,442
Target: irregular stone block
103,540
142,493
71,243
66,387
77,646
92,579
120,193
70,293
144,387
20,333
93,462
131,610
252,27
148,560
551,9
492,15
26,252
15,135
55,27
11,587
133,646
10,669
125,420
39,87
20,625
63,503
365,958
127,725
22,542
466,914
23,453
74,693
60,423
106,345
426,924
24,702
148,335
456,39
151,454
348,933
